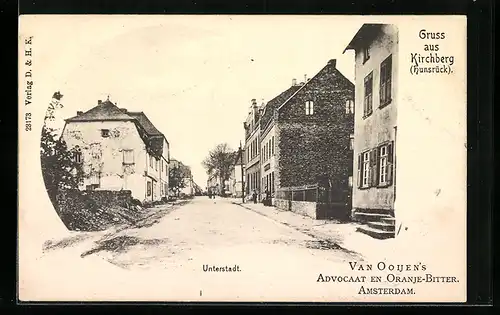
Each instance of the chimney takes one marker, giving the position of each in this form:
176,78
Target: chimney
333,62
294,82
78,113
99,102
305,77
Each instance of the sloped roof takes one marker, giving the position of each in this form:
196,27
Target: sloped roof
332,64
103,111
363,35
145,123
106,111
275,102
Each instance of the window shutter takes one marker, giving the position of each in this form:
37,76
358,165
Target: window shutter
390,151
376,166
390,163
370,172
360,172
389,173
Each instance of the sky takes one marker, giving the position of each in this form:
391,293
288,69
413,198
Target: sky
193,76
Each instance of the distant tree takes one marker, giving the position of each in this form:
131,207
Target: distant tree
219,162
176,179
59,168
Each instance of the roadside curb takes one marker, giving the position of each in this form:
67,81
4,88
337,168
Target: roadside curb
314,234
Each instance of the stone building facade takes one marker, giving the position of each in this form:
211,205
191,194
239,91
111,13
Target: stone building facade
312,131
252,151
376,111
119,150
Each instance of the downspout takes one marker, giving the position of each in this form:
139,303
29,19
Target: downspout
394,177
146,175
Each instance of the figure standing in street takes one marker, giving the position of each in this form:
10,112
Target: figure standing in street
268,197
254,196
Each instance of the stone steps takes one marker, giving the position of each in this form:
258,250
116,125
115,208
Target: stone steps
377,223
365,217
375,233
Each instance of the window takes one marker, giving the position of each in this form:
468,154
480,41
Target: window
149,189
128,156
156,164
364,170
309,107
350,181
162,166
77,155
95,180
105,133
151,161
272,182
368,100
349,107
272,145
385,164
385,81
366,53
351,142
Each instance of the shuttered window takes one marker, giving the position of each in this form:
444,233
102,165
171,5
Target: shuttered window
365,170
368,98
385,81
376,167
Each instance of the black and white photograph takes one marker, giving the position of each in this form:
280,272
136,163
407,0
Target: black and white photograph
233,158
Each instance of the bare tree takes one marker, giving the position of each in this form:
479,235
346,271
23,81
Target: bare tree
219,161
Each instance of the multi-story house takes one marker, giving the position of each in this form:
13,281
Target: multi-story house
237,176
268,139
189,185
252,150
313,129
119,150
374,187
213,183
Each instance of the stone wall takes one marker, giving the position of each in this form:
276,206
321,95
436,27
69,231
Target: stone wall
305,208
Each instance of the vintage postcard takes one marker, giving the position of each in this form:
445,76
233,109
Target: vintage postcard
253,158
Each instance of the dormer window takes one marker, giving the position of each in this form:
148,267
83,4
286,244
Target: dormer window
366,53
309,107
105,133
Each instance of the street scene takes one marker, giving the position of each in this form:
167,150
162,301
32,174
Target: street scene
289,185
202,230
192,155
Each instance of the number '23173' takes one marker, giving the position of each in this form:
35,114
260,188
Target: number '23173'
27,120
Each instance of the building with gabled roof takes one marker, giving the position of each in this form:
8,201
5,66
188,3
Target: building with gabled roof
119,150
312,145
